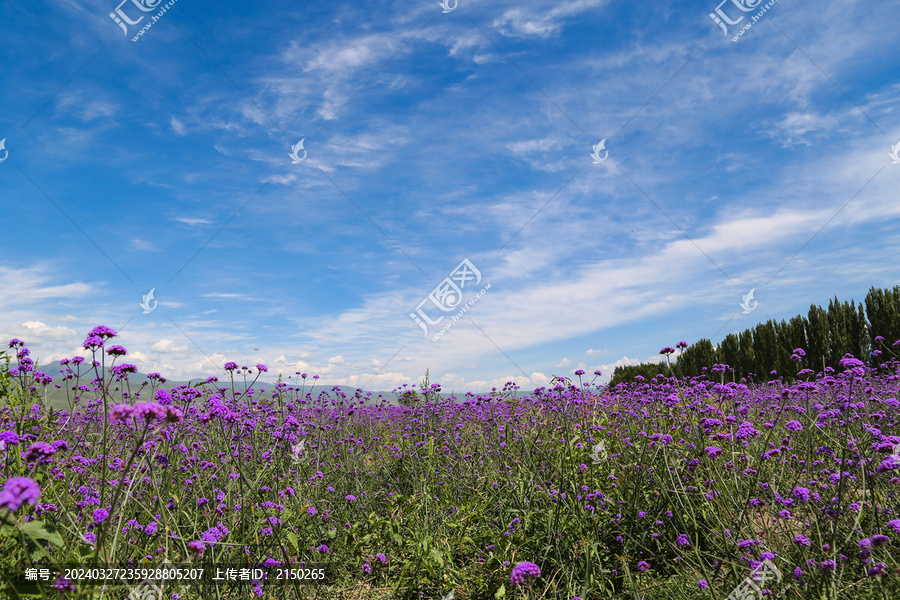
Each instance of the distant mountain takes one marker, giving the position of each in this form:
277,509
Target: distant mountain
57,398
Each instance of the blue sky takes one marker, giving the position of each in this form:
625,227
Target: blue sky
432,138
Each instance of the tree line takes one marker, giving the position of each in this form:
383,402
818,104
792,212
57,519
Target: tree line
867,331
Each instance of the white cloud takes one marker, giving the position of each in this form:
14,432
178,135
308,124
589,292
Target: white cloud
142,245
177,125
42,332
192,220
166,346
524,21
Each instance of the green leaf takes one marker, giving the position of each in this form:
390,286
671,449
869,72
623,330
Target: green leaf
437,556
38,530
292,538
501,593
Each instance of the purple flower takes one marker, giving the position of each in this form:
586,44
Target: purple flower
196,546
231,366
880,540
702,584
92,342
894,525
351,498
102,331
116,351
683,540
793,425
803,540
8,438
311,510
39,451
323,549
523,571
64,584
100,515
801,493
366,568
17,491
643,565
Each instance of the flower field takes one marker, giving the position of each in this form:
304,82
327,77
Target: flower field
657,489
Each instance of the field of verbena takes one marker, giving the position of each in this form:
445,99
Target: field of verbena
696,483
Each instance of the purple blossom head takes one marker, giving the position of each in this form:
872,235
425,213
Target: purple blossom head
793,426
681,344
9,438
100,515
801,493
102,331
196,546
667,350
39,452
64,584
323,549
713,452
683,540
382,558
17,491
91,342
523,572
231,366
702,584
116,351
